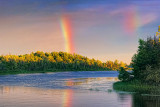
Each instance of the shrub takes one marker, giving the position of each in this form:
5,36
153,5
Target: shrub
152,75
123,75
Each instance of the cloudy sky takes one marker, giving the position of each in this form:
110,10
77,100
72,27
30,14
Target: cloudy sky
101,29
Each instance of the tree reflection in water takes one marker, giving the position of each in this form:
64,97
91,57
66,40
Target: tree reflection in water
139,100
146,100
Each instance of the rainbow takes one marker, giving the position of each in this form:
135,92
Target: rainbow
67,34
67,98
131,21
67,95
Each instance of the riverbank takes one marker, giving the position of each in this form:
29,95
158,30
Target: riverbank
136,86
20,72
32,72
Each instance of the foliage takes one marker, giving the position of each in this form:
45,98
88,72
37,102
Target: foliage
146,68
54,61
148,54
116,65
152,76
123,75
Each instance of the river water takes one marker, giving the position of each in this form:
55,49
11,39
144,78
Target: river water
69,89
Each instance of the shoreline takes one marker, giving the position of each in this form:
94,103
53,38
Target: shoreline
137,87
33,72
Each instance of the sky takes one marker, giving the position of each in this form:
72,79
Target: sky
100,29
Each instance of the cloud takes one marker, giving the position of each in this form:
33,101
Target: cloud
148,18
132,18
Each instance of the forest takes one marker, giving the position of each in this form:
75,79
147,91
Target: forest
55,61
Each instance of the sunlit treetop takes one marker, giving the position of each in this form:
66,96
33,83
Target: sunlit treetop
158,33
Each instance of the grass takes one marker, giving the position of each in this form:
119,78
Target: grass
136,86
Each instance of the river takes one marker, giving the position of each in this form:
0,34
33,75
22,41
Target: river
69,89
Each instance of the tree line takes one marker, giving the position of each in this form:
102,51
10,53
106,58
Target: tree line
53,61
146,62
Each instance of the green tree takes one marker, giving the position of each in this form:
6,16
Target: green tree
148,54
40,61
123,75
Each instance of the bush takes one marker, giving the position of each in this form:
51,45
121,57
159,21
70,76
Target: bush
123,75
152,75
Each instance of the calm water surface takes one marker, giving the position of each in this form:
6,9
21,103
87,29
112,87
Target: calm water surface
68,89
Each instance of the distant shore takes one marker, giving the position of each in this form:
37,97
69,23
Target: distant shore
32,72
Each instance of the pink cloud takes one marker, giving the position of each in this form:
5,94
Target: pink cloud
132,19
147,18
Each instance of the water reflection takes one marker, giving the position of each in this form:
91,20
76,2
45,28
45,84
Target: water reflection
28,96
63,80
80,81
35,97
59,90
146,100
125,99
67,98
19,95
139,100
